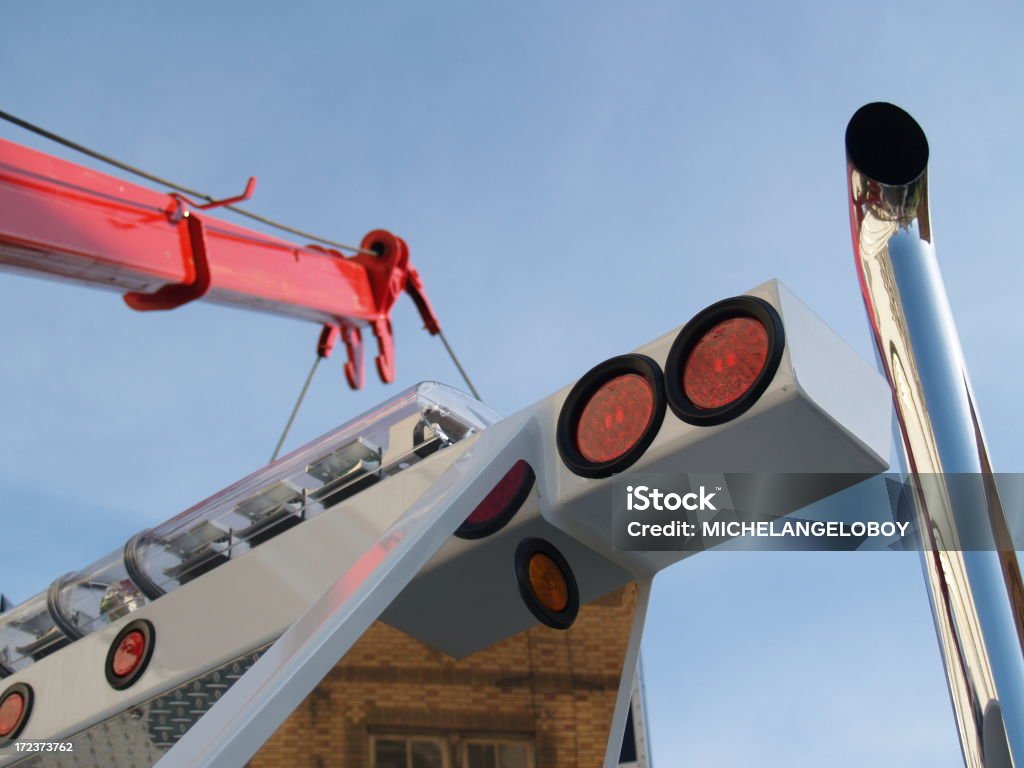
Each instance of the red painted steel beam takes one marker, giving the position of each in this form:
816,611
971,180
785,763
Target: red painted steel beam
71,222
65,221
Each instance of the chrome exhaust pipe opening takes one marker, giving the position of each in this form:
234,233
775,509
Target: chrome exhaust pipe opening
976,592
886,144
887,153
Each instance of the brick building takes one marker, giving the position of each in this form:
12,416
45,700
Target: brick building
540,699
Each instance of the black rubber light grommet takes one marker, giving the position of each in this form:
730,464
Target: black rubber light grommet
546,563
695,331
148,637
581,395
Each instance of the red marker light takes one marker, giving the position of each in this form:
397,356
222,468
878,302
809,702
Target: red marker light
725,363
501,504
615,418
723,360
129,654
15,707
11,710
611,416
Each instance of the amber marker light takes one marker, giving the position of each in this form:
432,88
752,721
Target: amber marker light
546,583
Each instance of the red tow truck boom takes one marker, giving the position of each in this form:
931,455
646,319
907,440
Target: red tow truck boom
161,250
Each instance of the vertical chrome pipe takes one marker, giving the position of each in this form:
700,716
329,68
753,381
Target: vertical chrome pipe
976,594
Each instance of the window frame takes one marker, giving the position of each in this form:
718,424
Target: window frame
503,739
408,739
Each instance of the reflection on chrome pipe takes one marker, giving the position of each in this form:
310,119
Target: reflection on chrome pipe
976,596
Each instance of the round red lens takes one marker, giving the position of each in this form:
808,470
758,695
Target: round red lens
615,418
502,496
726,362
11,710
129,653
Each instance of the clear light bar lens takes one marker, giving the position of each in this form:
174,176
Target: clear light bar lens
322,474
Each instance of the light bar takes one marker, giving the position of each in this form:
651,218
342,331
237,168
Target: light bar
312,479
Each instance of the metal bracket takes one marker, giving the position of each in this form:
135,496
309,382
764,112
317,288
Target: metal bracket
250,188
414,287
174,295
386,259
352,338
386,344
328,338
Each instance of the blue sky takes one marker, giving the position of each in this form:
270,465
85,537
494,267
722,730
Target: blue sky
573,179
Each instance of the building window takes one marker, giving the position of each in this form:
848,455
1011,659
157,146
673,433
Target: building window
409,752
496,753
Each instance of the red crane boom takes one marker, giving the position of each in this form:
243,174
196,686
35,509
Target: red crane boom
66,221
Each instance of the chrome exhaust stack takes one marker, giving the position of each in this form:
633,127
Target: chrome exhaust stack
976,592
